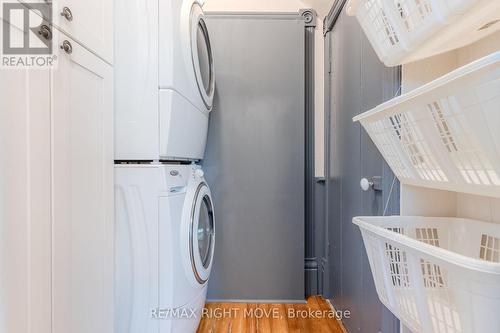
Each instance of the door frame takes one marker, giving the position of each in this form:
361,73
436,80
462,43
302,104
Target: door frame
328,24
389,321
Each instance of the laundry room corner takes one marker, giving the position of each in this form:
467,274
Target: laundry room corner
250,166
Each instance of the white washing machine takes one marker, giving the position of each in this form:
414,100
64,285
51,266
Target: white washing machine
165,238
164,80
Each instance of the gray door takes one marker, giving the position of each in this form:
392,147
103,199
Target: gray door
255,157
357,82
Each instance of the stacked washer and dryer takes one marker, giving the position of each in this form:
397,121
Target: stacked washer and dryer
165,231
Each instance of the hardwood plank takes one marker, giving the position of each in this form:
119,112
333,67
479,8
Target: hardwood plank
237,320
251,321
270,318
294,325
223,326
208,323
316,324
334,324
279,319
263,322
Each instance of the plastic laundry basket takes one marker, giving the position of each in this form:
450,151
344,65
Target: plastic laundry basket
402,31
438,275
446,134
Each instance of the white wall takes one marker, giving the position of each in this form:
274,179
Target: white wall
322,7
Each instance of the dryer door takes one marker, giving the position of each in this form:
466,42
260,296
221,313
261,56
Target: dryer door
202,234
201,53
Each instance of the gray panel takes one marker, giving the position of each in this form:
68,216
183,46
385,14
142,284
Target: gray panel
357,82
349,72
255,157
311,262
333,175
314,266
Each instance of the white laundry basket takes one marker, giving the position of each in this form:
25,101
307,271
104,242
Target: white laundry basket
446,134
438,275
402,31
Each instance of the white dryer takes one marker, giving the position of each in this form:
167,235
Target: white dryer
186,63
165,238
164,80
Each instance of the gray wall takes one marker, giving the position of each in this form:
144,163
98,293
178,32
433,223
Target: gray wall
357,82
315,267
255,157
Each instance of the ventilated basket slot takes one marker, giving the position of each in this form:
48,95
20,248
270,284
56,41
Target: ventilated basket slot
432,274
413,13
387,146
428,235
415,145
461,143
398,264
379,19
402,289
447,137
490,248
444,315
441,306
400,231
489,24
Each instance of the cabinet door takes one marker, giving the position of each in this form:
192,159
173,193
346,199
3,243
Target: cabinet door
82,171
89,22
25,223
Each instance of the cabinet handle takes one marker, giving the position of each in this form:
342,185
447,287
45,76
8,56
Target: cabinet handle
45,32
66,12
67,47
374,183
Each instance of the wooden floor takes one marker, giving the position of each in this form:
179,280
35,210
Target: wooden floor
314,317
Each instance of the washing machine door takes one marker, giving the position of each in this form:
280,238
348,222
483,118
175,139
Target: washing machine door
202,233
201,53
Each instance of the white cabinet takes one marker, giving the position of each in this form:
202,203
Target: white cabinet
56,196
25,201
90,22
25,221
82,184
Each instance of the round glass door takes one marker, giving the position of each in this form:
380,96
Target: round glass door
205,231
202,233
202,56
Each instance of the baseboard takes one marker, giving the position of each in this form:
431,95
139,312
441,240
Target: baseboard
258,301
